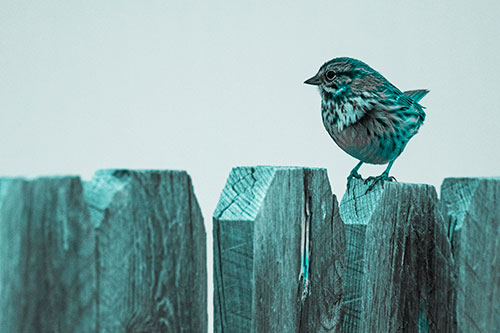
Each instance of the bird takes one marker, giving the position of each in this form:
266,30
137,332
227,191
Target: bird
366,115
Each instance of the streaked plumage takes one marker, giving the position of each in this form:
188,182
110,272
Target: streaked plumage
366,115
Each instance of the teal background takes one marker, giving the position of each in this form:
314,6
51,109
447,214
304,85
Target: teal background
208,85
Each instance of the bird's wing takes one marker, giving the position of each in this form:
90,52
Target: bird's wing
401,108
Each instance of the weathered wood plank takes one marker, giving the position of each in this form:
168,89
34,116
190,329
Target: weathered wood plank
398,260
124,252
267,222
47,275
471,207
151,252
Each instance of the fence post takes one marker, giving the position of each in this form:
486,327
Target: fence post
278,252
123,252
47,275
398,260
471,207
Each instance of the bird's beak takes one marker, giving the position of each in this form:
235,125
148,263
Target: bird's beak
315,81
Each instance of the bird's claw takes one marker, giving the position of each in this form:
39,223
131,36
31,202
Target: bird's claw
374,180
378,178
354,174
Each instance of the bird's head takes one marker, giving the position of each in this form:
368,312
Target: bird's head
345,77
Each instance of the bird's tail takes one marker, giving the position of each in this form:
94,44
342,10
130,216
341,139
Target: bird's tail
416,95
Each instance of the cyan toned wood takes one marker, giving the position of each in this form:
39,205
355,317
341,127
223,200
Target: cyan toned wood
151,252
47,261
125,252
398,260
278,252
471,207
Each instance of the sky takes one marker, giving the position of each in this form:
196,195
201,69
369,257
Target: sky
205,86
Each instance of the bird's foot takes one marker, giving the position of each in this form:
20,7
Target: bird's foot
374,180
353,174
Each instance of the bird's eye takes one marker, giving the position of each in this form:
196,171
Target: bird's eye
330,75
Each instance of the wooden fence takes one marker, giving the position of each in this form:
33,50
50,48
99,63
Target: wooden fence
126,252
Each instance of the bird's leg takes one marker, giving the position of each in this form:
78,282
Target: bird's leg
383,177
354,172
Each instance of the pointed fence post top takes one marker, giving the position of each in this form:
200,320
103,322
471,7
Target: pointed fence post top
246,188
278,252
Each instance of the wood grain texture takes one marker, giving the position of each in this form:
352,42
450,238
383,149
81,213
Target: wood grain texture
471,207
398,260
47,275
150,252
125,252
267,220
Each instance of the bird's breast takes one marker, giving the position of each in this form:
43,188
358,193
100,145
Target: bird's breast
365,139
